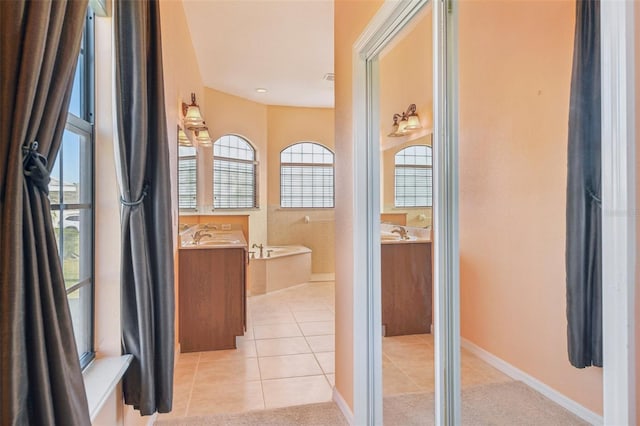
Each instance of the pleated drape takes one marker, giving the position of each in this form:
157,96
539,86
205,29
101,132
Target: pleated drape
584,226
41,377
144,176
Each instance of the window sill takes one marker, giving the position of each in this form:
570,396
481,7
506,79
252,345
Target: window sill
101,378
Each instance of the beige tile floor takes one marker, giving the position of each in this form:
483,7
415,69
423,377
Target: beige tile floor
286,358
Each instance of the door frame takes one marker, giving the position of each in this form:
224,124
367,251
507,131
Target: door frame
367,367
619,211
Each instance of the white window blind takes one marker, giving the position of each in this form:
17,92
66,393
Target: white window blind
234,174
306,176
187,178
414,177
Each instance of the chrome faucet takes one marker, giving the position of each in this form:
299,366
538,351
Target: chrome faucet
197,236
261,247
400,231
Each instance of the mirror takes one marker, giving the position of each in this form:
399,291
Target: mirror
187,173
405,91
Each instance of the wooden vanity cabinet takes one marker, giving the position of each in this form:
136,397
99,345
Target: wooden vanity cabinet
406,288
212,298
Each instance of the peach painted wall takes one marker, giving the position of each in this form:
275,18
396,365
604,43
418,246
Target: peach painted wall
406,69
515,69
286,126
350,19
228,114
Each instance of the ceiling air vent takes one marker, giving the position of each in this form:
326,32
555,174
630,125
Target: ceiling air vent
329,76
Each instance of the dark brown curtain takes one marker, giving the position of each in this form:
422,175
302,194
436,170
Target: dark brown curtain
41,378
584,225
147,240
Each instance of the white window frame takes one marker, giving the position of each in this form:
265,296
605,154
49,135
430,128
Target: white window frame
182,158
254,163
309,165
397,166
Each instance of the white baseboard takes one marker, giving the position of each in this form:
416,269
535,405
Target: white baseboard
517,374
343,406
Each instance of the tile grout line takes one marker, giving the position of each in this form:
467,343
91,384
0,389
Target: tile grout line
255,345
193,382
314,352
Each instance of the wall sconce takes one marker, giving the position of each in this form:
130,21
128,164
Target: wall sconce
202,135
406,122
191,114
183,140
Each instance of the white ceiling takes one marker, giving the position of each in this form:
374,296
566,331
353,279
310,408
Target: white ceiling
284,46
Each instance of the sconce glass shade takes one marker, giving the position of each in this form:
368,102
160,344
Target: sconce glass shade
191,114
202,136
413,122
183,140
192,117
409,121
402,125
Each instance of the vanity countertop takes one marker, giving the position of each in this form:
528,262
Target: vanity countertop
211,239
413,235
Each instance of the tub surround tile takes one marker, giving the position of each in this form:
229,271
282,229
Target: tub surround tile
276,367
282,346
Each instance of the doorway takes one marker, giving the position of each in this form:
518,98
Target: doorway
383,27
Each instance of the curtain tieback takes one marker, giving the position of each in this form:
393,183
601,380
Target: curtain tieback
34,166
139,201
594,197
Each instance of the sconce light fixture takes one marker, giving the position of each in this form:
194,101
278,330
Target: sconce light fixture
191,114
406,122
183,140
202,135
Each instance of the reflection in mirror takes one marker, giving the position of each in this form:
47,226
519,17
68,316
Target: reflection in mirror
407,183
187,173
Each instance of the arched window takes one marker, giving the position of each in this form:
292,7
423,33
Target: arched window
234,173
306,176
414,177
187,177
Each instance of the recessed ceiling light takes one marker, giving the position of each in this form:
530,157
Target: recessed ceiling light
261,90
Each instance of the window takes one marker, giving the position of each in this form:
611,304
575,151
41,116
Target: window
234,173
187,177
413,177
306,176
71,197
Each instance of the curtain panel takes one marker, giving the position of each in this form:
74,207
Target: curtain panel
142,162
41,378
584,225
